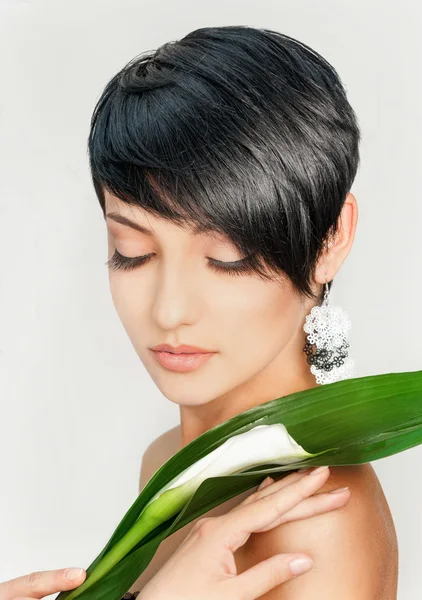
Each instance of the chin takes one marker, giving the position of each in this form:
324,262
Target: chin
184,391
178,394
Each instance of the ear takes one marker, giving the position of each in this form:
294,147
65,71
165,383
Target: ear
338,247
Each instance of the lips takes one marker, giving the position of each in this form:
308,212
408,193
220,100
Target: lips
182,362
182,349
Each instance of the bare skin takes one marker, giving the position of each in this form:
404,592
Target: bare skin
254,329
365,490
274,502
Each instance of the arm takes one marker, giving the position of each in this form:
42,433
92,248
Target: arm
353,548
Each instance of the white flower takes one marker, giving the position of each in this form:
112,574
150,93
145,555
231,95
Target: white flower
263,444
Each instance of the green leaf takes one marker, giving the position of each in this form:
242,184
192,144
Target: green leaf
344,423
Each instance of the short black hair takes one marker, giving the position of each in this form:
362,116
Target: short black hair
244,131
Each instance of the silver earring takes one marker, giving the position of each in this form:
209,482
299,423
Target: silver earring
327,343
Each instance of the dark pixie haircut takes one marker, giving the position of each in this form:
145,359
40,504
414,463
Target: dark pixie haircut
242,131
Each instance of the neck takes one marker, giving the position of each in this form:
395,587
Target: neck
289,372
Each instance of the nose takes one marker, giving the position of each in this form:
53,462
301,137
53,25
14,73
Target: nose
176,296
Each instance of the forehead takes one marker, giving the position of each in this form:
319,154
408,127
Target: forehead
140,215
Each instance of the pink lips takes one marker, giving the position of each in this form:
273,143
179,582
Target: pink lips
183,348
182,362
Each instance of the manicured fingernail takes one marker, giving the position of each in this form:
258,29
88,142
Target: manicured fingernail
73,573
339,490
301,565
318,471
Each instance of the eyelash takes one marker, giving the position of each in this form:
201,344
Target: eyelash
118,262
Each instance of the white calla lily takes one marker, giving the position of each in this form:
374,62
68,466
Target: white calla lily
263,444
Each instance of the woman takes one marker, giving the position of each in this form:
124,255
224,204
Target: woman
223,164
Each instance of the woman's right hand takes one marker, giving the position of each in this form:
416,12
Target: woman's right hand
40,584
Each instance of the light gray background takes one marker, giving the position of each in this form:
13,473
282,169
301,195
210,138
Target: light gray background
77,407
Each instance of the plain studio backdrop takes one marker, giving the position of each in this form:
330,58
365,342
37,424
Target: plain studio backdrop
78,409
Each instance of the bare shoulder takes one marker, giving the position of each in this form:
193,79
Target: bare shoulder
157,453
354,548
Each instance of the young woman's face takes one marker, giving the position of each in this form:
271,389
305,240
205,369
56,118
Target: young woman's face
254,327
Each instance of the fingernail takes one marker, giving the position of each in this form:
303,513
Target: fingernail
266,482
301,565
318,471
338,490
73,573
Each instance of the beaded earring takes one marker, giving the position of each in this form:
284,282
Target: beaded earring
326,347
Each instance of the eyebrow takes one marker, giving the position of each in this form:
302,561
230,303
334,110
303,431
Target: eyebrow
197,229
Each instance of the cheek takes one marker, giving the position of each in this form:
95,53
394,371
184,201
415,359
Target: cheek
127,298
256,325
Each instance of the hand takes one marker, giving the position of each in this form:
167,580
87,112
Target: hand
203,566
39,584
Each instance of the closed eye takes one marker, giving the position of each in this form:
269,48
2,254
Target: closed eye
118,262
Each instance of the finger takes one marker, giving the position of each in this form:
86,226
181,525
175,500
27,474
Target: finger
317,504
235,527
264,576
41,583
266,487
